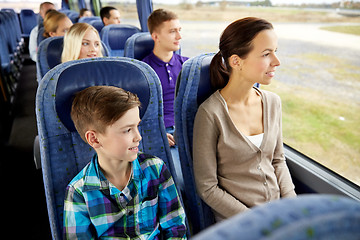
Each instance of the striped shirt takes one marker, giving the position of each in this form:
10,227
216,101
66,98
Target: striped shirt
149,205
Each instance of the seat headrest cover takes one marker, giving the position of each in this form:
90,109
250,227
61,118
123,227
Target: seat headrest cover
143,46
204,88
77,77
54,51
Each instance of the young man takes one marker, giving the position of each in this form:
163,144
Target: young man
164,27
110,15
121,193
44,8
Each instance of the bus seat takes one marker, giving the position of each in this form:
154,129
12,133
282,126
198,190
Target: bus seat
88,19
49,55
40,35
115,35
304,217
28,21
140,45
71,14
98,24
193,83
63,152
192,88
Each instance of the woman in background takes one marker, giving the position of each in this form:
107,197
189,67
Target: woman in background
81,41
56,24
237,147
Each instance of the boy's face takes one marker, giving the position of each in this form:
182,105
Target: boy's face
121,140
168,36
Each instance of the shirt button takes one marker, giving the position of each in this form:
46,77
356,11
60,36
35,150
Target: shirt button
265,183
168,71
167,64
170,78
258,167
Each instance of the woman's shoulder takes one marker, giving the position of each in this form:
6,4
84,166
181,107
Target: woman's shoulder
213,102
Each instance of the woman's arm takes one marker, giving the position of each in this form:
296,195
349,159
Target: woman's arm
205,167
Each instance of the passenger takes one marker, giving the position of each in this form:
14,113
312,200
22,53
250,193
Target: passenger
56,24
164,27
81,41
44,8
84,12
109,15
121,193
238,147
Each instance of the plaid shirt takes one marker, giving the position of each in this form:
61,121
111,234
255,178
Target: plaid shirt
95,208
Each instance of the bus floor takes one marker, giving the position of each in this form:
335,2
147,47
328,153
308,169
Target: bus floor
23,203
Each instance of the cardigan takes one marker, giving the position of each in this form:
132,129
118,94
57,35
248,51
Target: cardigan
231,173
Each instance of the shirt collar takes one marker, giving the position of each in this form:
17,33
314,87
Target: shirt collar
95,179
160,62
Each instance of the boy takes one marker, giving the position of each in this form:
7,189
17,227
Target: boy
164,27
109,15
121,193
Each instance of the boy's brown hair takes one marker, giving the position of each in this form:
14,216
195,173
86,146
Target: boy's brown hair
159,16
98,107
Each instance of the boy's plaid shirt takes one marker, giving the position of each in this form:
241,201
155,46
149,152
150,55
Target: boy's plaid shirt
95,208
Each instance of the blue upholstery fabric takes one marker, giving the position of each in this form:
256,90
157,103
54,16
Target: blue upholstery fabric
192,88
322,217
72,15
49,55
114,37
139,45
185,107
98,24
89,19
28,21
63,152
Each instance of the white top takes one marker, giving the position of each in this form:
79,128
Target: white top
33,43
256,139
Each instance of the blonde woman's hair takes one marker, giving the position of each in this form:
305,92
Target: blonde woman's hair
73,41
51,21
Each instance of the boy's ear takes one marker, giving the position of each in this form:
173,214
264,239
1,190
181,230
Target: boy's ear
91,138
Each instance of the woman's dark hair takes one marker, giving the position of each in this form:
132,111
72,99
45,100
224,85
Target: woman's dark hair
236,39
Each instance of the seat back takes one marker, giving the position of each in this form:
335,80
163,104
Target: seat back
88,19
140,45
98,24
63,152
71,14
114,37
304,217
49,55
192,88
193,84
28,21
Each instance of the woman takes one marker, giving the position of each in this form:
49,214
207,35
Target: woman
238,150
81,41
56,24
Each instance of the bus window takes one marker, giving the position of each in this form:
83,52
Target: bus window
319,77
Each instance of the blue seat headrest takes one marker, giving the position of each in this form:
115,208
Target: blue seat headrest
118,34
54,51
204,88
143,46
96,73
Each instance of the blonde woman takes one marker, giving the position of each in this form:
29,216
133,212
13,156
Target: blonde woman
56,24
81,41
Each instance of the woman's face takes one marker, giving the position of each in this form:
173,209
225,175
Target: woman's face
63,27
90,45
260,64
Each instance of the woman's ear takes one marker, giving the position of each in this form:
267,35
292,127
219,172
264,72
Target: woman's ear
235,61
92,139
52,34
